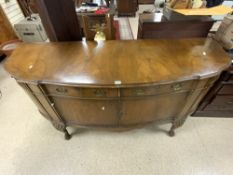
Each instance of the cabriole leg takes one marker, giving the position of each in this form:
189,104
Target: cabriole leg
67,135
176,124
171,132
61,127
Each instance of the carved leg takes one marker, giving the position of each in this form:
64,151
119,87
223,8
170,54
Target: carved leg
67,135
176,124
171,132
61,127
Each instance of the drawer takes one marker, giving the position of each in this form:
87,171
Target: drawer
226,89
156,90
221,102
81,92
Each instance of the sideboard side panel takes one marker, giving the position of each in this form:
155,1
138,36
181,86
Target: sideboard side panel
47,103
36,101
200,88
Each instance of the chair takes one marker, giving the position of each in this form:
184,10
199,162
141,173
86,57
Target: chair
90,22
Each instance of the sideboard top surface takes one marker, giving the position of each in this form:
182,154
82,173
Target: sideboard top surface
117,62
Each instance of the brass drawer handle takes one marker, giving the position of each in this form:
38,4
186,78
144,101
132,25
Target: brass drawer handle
139,91
61,90
100,93
177,87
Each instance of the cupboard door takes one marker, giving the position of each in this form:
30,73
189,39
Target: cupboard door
148,109
94,112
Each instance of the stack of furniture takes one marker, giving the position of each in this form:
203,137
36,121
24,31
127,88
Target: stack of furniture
156,26
127,7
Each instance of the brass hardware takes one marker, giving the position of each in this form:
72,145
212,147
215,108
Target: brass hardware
176,87
139,91
61,90
99,29
100,93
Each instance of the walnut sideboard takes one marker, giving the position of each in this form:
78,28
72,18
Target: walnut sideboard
117,84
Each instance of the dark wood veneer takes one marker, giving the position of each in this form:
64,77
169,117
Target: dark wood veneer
156,26
127,7
59,19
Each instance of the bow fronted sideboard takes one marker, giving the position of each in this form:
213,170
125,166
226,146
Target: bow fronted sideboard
117,84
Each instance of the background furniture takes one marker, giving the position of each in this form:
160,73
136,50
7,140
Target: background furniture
28,6
90,22
219,100
111,12
117,84
146,1
127,7
107,2
60,20
157,26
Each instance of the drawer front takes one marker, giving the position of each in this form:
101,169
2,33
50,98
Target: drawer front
226,89
156,90
221,102
81,92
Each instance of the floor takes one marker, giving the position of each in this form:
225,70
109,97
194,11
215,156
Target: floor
30,145
129,25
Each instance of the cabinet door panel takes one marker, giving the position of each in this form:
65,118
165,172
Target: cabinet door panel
143,110
86,111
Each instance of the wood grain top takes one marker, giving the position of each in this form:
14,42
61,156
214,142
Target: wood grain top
117,62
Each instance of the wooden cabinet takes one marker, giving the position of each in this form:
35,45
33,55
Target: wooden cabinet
146,1
157,26
127,7
219,100
59,19
105,85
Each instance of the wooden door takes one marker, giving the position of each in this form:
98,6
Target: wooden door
139,110
87,112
